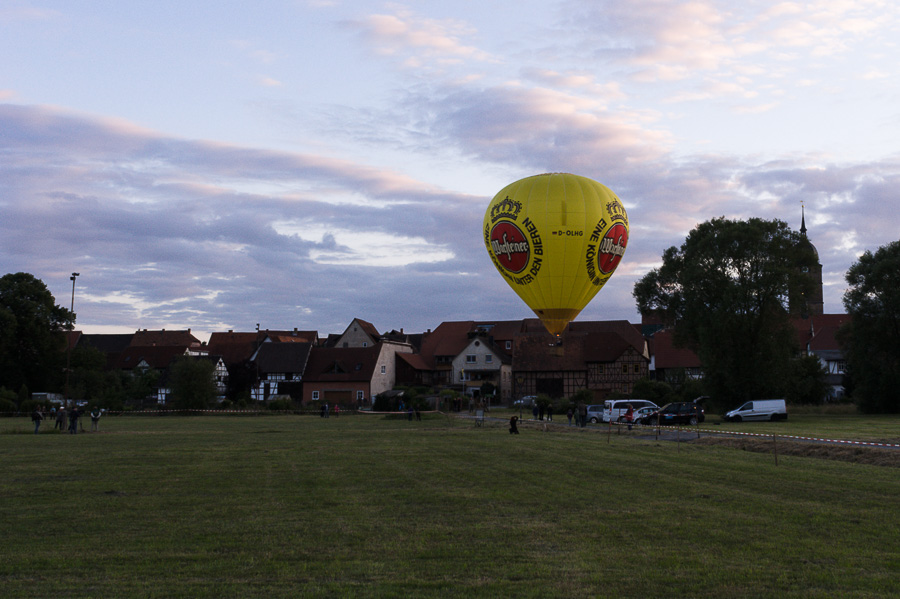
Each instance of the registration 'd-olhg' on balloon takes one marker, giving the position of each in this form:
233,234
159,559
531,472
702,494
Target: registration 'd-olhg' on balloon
556,239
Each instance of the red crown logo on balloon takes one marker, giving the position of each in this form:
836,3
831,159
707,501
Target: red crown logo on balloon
507,208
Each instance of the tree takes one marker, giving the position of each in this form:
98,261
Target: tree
872,339
193,382
726,290
32,339
807,382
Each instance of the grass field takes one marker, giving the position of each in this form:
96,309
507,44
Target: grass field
367,506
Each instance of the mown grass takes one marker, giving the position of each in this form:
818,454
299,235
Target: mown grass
362,506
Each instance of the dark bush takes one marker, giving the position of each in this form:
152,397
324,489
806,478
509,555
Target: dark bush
283,404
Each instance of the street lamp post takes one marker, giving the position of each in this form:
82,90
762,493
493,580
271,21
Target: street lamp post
69,336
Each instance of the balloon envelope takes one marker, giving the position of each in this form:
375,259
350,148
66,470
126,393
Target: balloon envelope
556,239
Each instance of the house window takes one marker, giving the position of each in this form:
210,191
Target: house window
624,368
315,396
637,368
489,359
383,371
365,344
471,358
359,395
509,345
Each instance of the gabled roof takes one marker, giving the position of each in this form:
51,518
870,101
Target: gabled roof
156,356
145,338
502,355
666,355
448,339
415,361
367,327
107,343
817,332
627,331
342,364
234,347
283,357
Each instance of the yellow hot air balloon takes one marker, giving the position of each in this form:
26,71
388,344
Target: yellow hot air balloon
556,239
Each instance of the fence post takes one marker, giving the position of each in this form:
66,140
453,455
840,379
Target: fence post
775,447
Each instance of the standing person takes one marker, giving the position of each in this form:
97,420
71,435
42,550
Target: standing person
582,414
409,413
550,413
61,419
540,411
569,416
629,416
95,419
513,429
337,410
534,410
36,418
73,421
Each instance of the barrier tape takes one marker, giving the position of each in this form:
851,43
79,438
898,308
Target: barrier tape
768,435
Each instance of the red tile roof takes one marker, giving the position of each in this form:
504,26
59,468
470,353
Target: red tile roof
342,364
817,333
666,355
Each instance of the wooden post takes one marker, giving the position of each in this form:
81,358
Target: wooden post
609,430
775,447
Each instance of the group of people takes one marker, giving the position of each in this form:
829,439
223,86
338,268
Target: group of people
579,413
538,410
325,412
66,419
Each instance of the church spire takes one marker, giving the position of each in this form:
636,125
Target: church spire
802,220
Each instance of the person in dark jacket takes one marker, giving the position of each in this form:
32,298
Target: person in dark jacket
36,418
73,421
513,428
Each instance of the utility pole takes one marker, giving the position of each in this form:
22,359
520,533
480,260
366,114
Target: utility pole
69,336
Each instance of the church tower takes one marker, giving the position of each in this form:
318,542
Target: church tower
809,301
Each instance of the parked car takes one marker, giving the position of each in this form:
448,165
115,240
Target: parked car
680,412
595,414
614,408
526,401
759,409
639,413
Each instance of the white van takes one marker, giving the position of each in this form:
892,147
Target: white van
614,409
759,409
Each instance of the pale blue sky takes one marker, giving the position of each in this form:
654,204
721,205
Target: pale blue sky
301,163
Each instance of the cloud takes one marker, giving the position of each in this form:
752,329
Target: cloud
419,42
159,222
